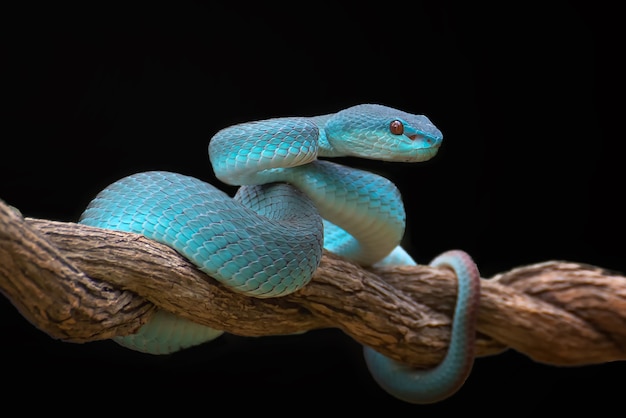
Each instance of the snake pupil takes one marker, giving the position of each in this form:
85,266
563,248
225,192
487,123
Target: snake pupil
396,127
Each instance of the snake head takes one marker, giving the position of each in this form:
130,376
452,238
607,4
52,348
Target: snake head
379,132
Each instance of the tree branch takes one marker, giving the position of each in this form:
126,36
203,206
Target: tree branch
80,284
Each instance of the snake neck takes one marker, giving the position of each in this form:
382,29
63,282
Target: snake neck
324,147
364,212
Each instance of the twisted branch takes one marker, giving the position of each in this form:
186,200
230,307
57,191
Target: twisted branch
81,284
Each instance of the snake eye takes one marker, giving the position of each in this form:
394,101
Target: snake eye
396,127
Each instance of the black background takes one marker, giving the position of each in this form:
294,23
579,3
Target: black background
529,99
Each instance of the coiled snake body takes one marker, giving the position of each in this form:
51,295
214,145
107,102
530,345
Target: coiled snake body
267,240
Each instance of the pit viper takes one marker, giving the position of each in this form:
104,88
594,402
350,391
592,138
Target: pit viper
293,201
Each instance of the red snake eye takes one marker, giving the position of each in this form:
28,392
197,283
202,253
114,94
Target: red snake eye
396,127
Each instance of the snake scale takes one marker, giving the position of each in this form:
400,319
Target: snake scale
267,240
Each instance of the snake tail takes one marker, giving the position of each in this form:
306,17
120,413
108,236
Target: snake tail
433,385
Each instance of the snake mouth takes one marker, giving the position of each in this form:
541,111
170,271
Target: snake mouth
424,137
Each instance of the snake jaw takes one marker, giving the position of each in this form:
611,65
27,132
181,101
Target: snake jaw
422,154
402,148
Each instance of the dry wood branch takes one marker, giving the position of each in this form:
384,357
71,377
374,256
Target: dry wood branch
81,284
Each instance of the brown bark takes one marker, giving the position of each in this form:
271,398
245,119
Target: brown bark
81,284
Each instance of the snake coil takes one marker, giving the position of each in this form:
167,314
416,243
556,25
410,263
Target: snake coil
267,240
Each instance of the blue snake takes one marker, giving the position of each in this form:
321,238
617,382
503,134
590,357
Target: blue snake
268,239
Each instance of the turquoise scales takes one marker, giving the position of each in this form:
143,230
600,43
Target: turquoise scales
267,240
